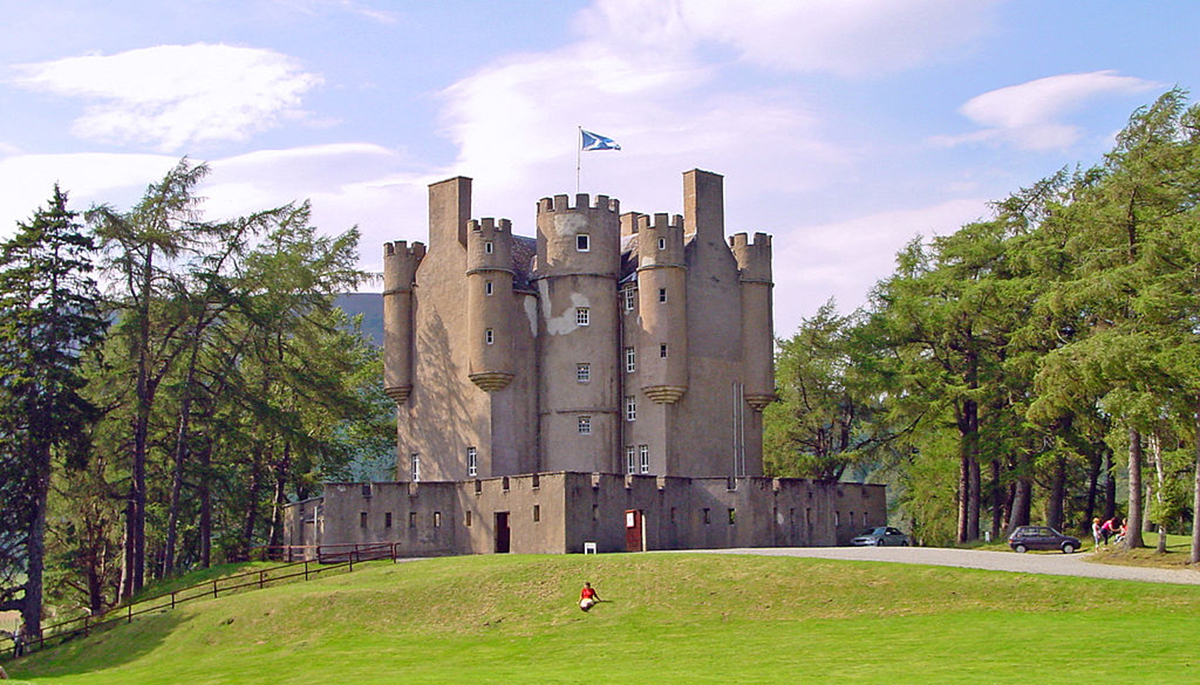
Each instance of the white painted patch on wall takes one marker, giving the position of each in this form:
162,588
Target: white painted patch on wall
568,224
565,322
531,314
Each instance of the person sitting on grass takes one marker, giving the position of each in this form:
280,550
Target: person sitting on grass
588,597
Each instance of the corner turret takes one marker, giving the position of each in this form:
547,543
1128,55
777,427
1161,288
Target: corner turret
490,305
400,264
754,266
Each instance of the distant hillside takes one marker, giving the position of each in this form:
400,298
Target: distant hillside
370,306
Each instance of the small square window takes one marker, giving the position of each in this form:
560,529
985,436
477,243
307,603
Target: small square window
631,408
630,360
662,294
583,242
662,243
488,247
489,337
583,373
583,316
662,350
629,299
585,425
487,288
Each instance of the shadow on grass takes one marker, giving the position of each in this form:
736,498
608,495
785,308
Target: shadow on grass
105,648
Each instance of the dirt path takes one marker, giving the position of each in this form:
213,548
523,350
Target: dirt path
1046,563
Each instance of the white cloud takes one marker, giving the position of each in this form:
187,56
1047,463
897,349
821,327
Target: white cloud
843,37
173,96
845,259
1029,115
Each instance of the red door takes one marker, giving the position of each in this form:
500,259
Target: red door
633,530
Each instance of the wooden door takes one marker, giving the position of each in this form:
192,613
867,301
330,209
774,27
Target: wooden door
502,532
633,530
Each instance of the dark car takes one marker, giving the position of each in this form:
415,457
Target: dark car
1026,538
883,535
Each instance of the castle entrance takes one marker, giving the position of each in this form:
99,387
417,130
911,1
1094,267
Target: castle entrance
502,533
635,537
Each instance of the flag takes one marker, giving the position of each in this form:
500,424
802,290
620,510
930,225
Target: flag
594,141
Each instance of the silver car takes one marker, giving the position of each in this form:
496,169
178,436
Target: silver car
878,537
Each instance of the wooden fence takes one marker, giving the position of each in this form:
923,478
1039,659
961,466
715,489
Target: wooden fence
297,563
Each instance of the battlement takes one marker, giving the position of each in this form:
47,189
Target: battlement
753,257
489,226
660,240
660,223
400,262
561,203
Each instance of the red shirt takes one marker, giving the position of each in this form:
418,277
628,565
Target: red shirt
587,593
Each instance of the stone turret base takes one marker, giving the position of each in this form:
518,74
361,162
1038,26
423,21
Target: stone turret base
398,394
491,382
665,394
760,402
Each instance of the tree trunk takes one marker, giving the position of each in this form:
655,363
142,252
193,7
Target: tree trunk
31,609
1054,500
1095,464
181,453
1021,504
282,467
1195,556
1156,451
1110,486
1133,523
997,500
205,506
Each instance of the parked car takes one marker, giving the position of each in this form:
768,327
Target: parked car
878,537
1025,538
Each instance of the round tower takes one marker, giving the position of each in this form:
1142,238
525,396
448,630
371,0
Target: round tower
758,330
490,303
578,263
400,264
662,305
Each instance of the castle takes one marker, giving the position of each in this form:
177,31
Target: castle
602,385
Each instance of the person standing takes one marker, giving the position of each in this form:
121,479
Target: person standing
1096,531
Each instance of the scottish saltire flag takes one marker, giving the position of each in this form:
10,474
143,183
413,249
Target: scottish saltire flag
594,141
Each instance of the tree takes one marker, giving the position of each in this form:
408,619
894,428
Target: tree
49,316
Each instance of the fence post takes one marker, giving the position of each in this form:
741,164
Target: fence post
214,588
129,613
261,579
85,625
172,599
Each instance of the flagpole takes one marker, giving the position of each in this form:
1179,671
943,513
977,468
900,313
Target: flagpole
578,154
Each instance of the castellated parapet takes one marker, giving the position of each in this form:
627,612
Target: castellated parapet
754,266
400,264
491,310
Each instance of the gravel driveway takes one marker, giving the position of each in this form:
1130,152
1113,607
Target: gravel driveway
1047,563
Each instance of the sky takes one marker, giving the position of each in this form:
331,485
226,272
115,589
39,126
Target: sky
843,128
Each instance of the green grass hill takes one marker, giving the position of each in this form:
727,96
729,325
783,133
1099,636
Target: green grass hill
668,618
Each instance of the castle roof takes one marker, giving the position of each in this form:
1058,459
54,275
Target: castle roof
523,251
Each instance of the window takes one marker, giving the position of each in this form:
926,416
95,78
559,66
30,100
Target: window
488,248
362,519
412,519
489,336
387,520
472,462
537,513
837,518
582,316
487,288
662,243
468,519
630,360
732,517
629,298
662,294
585,425
662,350
631,408
707,518
414,462
583,372
630,465
595,512
644,458
437,519
583,242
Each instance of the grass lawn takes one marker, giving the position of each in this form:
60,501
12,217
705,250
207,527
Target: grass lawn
671,618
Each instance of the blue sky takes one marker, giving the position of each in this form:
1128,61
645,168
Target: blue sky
843,127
